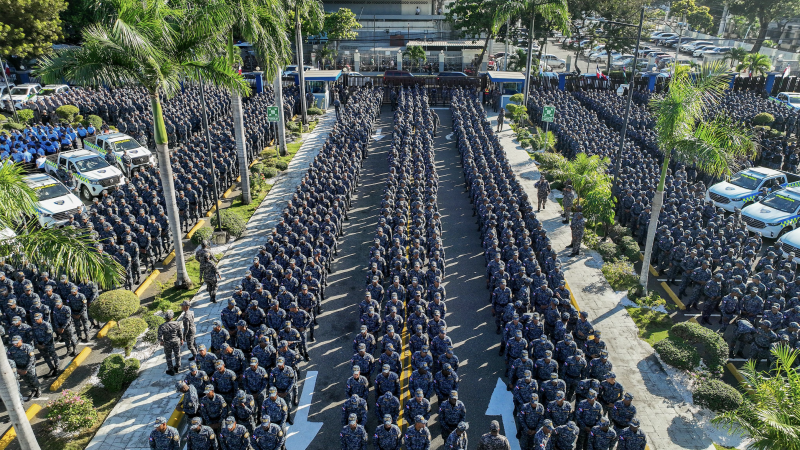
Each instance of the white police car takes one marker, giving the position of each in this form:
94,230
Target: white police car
743,187
56,203
775,215
93,175
121,144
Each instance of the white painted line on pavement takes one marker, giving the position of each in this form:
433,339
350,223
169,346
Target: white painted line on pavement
300,435
502,404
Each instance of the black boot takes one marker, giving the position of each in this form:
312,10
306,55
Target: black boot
35,393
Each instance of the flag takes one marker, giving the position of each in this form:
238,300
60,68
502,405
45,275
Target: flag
599,73
786,71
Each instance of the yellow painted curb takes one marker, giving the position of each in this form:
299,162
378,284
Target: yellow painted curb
238,179
213,209
11,433
177,416
673,296
70,368
404,376
104,331
196,227
146,283
169,258
739,377
571,297
228,192
693,320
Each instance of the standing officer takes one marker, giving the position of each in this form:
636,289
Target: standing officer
493,440
458,439
388,436
169,336
186,320
577,226
164,437
43,338
201,437
353,436
23,357
211,276
451,413
234,436
632,438
64,326
418,437
602,437
567,199
190,404
269,436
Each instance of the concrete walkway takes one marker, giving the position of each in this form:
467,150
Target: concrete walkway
152,394
666,418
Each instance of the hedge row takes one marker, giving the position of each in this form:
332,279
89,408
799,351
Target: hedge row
677,353
715,347
717,396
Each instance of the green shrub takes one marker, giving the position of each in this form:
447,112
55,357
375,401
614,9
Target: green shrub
231,222
281,165
153,322
257,168
71,411
97,121
270,172
591,239
116,371
67,113
269,163
25,115
651,300
125,333
608,250
763,119
269,153
717,396
715,349
314,111
619,274
114,305
2,118
13,126
202,234
677,353
293,126
617,231
629,248
549,160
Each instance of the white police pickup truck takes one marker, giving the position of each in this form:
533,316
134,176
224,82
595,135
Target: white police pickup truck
93,175
121,144
743,187
774,215
56,203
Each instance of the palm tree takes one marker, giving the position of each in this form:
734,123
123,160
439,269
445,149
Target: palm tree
155,46
735,55
327,54
555,12
712,146
312,12
768,415
416,53
755,64
542,140
62,249
261,23
518,59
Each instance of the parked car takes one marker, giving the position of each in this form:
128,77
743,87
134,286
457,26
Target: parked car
791,99
700,49
21,94
554,61
397,74
692,46
718,51
52,89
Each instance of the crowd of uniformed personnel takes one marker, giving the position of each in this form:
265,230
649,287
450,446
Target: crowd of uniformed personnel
720,268
239,392
552,351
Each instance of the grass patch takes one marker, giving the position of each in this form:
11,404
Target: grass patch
560,202
291,150
104,402
722,447
171,297
653,325
247,211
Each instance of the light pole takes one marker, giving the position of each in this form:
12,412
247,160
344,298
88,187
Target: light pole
5,78
618,158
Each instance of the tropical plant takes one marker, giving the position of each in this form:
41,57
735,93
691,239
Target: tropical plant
114,305
155,45
599,206
711,145
768,415
416,53
586,173
544,140
755,64
263,24
66,250
71,411
327,54
735,55
518,59
556,12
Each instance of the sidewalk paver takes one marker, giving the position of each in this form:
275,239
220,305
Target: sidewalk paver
152,394
666,418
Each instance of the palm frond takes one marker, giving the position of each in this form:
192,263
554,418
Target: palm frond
17,198
219,73
714,146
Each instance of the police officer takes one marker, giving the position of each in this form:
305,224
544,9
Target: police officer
186,320
388,436
493,440
201,437
269,436
64,326
23,356
43,339
632,438
452,412
234,436
170,337
190,404
353,436
164,437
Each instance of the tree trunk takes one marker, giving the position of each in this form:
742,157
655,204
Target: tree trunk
238,131
483,52
167,183
300,69
762,35
658,200
278,88
528,67
9,393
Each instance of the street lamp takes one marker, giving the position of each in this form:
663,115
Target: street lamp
630,90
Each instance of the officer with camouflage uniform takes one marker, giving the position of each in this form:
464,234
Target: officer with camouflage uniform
186,320
269,436
164,437
211,277
201,437
577,226
23,356
43,340
353,436
169,337
493,440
